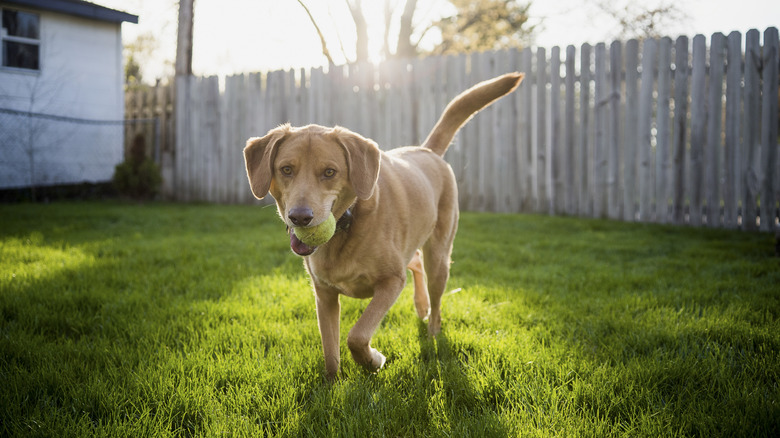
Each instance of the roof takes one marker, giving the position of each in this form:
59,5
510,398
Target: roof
78,8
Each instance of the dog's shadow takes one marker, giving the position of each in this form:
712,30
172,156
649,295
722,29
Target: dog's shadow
445,367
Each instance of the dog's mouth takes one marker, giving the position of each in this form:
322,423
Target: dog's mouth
299,247
303,249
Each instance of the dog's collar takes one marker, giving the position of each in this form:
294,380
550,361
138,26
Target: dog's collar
345,220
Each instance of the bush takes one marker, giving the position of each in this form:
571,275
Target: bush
138,180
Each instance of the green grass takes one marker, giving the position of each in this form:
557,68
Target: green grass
196,320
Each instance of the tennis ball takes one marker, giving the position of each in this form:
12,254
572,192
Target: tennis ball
318,234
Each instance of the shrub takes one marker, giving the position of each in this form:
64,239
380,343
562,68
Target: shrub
138,180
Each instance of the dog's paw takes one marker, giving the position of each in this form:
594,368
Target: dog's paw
423,308
434,325
377,360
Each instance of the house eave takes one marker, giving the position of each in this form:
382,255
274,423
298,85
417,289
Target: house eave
77,8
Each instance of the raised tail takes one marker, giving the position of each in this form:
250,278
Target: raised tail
468,103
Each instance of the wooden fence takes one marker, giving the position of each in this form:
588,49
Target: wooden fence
149,113
682,131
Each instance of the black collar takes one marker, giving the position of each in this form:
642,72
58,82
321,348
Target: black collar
345,220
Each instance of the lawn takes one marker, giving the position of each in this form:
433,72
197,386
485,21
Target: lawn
197,320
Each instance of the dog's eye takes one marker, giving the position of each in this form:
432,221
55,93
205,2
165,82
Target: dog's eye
329,173
286,170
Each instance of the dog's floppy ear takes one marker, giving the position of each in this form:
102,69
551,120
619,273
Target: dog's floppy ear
362,159
259,155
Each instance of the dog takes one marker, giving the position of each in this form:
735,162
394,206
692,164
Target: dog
389,205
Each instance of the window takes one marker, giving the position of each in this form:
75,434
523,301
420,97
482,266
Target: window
20,36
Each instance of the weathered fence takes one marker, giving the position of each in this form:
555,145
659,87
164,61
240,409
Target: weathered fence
149,113
666,131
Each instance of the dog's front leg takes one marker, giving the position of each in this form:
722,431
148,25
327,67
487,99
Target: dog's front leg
328,315
359,339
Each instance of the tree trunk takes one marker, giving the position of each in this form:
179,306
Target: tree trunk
405,48
184,38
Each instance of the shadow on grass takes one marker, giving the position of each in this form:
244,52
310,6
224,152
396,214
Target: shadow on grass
703,375
430,395
450,393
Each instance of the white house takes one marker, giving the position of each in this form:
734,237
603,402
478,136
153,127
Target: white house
61,92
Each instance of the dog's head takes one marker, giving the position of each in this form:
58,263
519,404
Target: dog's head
312,171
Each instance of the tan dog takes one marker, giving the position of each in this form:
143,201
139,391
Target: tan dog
389,205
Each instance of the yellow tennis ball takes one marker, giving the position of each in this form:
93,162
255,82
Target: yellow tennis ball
318,234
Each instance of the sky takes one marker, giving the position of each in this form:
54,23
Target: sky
239,36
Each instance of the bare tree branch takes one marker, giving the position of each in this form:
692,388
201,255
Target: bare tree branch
319,32
338,37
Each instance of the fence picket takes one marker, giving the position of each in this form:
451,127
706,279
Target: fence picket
614,138
599,164
540,145
526,162
569,133
663,163
771,188
557,157
681,73
631,136
698,127
713,145
584,144
644,130
732,187
751,138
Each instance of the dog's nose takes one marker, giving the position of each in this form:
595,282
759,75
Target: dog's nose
301,216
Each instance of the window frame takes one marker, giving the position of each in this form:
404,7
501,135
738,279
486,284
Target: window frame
5,37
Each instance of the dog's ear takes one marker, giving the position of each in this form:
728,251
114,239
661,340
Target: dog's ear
259,155
362,158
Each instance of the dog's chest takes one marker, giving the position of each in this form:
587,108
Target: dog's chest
348,278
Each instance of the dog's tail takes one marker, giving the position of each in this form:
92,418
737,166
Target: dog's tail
463,107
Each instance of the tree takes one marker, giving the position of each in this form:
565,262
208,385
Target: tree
475,25
405,47
640,20
484,25
135,53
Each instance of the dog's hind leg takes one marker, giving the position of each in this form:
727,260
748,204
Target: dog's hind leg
421,301
436,253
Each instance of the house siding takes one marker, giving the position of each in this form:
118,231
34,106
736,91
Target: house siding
80,77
